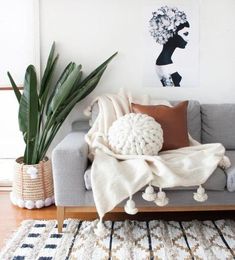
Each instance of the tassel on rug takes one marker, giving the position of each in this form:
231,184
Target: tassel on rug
149,193
200,195
130,207
161,199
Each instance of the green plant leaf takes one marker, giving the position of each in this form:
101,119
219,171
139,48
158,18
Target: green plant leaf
28,111
64,90
53,133
44,95
14,86
67,71
79,95
78,80
92,83
47,72
65,109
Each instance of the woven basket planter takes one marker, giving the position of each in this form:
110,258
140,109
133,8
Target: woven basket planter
32,185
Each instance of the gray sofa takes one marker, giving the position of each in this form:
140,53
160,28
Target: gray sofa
207,123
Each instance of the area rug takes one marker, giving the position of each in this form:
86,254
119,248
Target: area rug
128,240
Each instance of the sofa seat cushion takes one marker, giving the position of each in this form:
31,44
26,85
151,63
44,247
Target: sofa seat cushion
231,171
218,124
217,181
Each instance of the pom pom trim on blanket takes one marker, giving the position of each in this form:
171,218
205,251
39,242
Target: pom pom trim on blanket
149,194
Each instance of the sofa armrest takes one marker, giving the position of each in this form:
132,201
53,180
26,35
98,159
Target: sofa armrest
69,162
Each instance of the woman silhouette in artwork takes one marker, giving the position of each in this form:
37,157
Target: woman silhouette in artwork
170,28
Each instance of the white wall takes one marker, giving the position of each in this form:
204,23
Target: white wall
88,31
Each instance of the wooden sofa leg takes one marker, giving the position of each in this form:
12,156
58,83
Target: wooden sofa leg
60,218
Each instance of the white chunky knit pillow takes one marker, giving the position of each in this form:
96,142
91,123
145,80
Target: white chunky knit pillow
135,134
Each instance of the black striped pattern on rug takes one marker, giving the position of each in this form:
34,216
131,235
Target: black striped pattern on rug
126,240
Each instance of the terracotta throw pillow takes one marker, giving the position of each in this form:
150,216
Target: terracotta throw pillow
173,121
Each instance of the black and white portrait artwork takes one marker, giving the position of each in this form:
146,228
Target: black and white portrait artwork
172,44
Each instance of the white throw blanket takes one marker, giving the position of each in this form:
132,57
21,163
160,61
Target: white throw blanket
116,177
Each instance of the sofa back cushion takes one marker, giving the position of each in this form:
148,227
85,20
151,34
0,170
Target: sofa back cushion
80,126
193,117
218,124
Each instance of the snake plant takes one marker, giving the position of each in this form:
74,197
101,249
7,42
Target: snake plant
44,107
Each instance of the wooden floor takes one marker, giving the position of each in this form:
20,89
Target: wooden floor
11,216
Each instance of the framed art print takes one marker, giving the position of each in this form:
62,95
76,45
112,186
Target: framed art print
171,50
